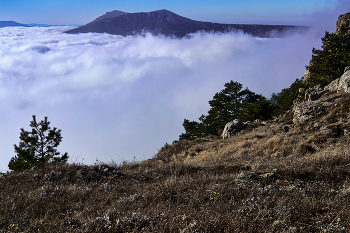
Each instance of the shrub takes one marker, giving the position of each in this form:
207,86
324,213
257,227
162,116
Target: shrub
37,147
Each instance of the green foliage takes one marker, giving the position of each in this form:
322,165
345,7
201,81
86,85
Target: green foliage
193,130
231,103
329,62
259,109
283,101
37,147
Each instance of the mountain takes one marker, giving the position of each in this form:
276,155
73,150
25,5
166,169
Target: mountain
11,24
167,23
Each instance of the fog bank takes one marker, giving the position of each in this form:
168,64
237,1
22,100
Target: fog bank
119,98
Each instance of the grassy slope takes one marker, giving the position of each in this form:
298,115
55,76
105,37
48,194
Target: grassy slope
261,180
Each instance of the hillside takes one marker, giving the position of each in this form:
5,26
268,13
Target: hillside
11,24
288,174
164,22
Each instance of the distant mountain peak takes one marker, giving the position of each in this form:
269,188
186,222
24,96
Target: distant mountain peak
167,23
11,24
110,14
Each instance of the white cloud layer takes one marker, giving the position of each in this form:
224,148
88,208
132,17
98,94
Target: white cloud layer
123,97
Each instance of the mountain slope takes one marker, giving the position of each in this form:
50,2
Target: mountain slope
166,23
11,24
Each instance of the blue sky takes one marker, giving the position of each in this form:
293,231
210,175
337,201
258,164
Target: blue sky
222,11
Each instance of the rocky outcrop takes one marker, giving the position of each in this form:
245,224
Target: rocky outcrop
343,24
340,84
312,106
314,93
305,111
232,128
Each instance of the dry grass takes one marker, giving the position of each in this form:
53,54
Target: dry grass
261,180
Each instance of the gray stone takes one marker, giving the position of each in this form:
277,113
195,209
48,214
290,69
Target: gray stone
346,132
333,86
305,111
232,128
344,82
340,84
314,93
343,24
325,130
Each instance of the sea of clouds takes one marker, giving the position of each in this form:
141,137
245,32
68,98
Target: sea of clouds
122,98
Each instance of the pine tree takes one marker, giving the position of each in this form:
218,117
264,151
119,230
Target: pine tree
37,147
230,103
330,61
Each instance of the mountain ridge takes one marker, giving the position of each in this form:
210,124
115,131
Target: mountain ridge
167,23
11,24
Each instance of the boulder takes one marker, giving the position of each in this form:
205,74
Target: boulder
232,128
340,84
343,24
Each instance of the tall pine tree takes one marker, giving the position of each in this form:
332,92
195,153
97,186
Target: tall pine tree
230,103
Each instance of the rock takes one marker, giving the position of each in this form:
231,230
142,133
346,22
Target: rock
340,84
232,128
245,176
344,82
333,86
325,130
343,24
305,111
286,128
269,176
307,73
314,93
317,125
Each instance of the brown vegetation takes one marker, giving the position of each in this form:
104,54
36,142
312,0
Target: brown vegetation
278,177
